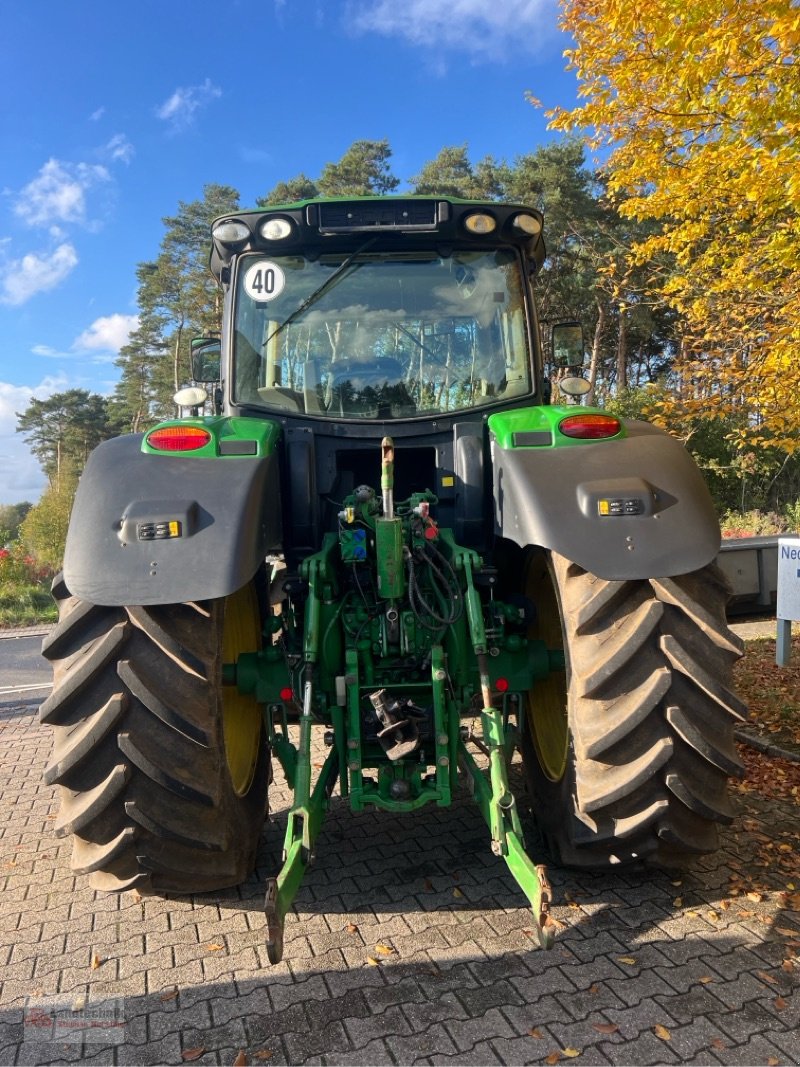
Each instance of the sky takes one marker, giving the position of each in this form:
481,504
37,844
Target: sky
116,112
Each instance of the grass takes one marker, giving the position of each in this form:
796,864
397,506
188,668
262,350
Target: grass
26,604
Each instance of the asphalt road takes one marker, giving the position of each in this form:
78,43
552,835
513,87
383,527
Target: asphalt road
23,671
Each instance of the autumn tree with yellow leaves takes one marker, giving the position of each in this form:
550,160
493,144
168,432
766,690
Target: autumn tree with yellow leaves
695,108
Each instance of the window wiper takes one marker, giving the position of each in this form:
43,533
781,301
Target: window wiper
320,291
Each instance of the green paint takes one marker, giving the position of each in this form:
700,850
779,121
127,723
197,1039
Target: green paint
544,419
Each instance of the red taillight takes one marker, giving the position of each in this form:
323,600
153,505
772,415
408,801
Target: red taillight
589,427
501,685
286,695
178,438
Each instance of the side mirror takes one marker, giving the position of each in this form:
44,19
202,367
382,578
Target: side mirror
206,359
568,347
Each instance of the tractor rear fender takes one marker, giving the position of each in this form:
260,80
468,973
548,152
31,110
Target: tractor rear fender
630,507
163,529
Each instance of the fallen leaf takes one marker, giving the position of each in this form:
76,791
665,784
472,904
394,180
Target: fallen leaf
384,950
168,996
190,1054
705,979
96,961
773,1061
779,1003
662,1032
571,1052
554,1057
787,966
594,988
136,896
679,882
692,914
373,962
352,928
713,916
535,1032
241,1059
215,948
755,897
677,902
717,1042
724,905
786,931
766,977
626,959
263,1054
457,892
605,1028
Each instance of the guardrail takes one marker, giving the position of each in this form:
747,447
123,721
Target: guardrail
751,566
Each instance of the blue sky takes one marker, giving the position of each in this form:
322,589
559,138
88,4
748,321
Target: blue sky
115,112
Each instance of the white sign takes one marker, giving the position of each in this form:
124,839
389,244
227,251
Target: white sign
264,281
788,578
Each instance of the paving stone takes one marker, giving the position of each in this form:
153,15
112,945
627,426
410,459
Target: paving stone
464,986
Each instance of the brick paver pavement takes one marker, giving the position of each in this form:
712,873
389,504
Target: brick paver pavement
644,971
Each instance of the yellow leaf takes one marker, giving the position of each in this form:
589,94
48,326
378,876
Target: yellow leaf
662,1032
677,902
384,950
571,1052
705,979
626,959
373,962
457,892
215,948
535,1032
96,961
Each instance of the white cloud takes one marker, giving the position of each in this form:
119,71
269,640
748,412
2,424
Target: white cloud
20,475
58,193
181,108
97,115
487,29
48,352
20,279
107,334
119,149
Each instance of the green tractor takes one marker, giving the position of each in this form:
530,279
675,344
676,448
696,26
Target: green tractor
371,518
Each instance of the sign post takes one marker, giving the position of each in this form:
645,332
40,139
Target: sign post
788,607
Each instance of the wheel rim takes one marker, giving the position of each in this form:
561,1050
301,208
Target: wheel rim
241,714
547,701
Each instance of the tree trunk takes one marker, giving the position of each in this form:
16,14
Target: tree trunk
622,344
595,360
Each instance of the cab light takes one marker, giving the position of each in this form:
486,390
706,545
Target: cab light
178,438
590,427
230,232
527,224
275,229
480,223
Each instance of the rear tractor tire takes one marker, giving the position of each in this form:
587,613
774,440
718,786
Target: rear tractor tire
627,753
162,773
